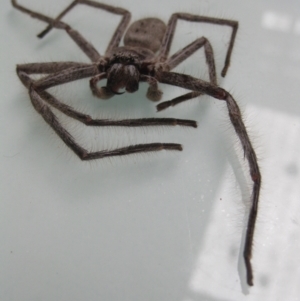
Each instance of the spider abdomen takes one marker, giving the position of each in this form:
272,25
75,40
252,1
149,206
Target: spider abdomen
147,33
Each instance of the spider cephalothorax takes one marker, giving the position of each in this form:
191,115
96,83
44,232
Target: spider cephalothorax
143,58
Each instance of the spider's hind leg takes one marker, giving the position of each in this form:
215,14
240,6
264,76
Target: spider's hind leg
184,53
81,42
109,8
168,38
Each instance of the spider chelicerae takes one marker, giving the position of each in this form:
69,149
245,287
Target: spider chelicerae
143,58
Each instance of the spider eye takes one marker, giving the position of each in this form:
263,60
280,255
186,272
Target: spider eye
124,58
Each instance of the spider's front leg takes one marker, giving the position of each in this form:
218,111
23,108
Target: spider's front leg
194,84
61,73
182,55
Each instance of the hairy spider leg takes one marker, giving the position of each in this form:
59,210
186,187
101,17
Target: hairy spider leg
63,72
41,99
83,44
182,55
168,38
117,36
194,84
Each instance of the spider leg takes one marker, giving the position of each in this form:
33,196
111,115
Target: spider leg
187,51
41,100
83,44
182,55
82,153
167,40
89,121
48,68
24,70
66,76
115,40
194,84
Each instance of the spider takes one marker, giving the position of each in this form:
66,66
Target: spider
143,58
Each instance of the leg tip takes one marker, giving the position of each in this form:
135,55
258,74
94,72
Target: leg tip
163,106
173,146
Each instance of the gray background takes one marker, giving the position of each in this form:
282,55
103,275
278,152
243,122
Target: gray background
163,226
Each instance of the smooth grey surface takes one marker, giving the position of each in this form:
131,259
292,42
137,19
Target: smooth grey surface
164,226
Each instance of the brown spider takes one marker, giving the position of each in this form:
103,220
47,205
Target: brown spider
144,57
